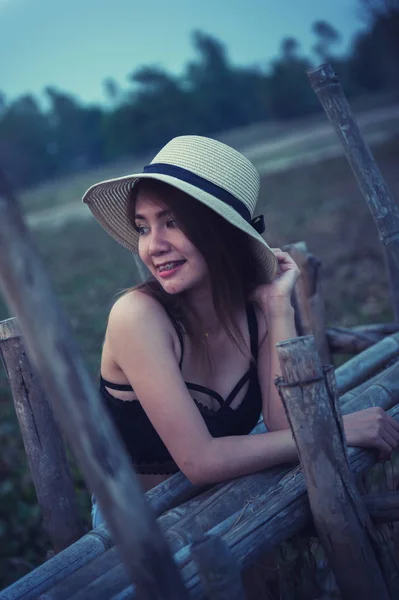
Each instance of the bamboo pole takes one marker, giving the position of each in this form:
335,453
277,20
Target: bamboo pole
89,430
345,340
380,330
260,524
43,443
257,528
196,515
382,206
340,517
97,544
270,506
361,368
383,508
308,300
220,577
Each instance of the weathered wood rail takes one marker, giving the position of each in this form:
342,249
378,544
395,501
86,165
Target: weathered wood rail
268,508
43,442
341,519
203,538
91,434
283,508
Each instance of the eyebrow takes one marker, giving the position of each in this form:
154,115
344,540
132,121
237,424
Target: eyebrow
159,215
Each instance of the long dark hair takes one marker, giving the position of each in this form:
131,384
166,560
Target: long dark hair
227,253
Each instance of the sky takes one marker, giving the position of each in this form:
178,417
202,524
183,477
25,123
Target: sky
76,44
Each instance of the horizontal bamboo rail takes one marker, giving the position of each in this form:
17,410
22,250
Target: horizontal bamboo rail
251,532
340,517
264,509
383,508
345,340
209,509
177,489
219,575
367,364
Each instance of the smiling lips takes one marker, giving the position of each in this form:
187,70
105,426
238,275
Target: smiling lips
170,268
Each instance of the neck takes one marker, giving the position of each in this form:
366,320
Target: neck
202,304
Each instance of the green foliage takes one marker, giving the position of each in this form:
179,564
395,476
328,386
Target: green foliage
24,126
375,56
211,95
291,94
327,36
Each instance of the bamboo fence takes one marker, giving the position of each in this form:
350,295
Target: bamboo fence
179,540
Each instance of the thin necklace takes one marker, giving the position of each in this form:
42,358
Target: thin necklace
206,333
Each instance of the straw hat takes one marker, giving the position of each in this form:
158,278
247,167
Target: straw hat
209,171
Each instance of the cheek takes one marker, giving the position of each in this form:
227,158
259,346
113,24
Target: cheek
201,267
142,250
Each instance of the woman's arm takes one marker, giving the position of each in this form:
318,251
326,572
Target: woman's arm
142,342
280,327
274,301
141,339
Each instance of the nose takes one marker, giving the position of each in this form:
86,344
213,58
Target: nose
158,243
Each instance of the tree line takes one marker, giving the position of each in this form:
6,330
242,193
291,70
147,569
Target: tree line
210,96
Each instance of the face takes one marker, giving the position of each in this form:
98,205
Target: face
167,252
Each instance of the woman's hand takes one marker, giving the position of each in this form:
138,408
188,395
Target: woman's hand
372,428
277,293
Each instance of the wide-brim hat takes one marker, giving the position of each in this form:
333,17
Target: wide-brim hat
205,169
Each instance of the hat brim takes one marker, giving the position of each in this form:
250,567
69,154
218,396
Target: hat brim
108,202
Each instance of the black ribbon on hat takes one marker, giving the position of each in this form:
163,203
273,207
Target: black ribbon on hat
258,223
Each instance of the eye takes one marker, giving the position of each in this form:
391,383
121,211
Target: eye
171,223
141,229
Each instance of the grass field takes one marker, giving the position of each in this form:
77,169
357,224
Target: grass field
318,203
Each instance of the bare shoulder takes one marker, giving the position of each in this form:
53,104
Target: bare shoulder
136,305
136,316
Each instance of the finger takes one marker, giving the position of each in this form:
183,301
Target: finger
393,422
281,256
393,431
389,439
286,260
382,445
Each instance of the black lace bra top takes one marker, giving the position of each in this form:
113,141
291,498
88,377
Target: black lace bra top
145,447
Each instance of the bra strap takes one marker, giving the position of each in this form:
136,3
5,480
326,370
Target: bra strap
181,340
121,387
179,332
201,388
253,330
237,388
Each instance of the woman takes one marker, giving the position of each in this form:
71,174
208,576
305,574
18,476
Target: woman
189,360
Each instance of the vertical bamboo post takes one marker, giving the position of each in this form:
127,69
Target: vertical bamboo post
43,443
340,517
89,430
382,206
308,300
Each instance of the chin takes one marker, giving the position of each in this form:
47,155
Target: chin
173,287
